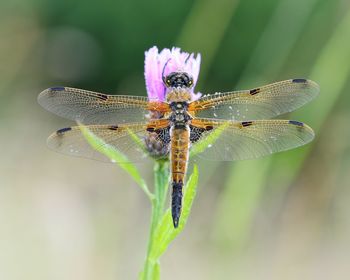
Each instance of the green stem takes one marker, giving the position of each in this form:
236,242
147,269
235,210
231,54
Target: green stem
161,175
161,178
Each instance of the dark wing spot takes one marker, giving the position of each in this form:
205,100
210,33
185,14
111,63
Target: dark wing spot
57,88
299,80
102,96
113,127
244,124
63,130
209,127
195,133
164,134
296,123
254,91
150,129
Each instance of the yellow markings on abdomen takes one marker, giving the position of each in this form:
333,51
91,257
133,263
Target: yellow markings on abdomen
180,144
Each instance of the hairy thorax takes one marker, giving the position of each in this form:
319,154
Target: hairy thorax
157,142
178,95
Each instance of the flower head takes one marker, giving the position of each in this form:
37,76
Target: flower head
165,62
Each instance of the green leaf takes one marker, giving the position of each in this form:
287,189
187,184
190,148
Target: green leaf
156,273
137,140
165,232
115,156
153,272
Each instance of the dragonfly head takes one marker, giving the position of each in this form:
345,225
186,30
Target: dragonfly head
178,80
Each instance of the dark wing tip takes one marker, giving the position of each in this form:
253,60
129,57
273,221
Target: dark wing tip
312,86
304,131
299,80
307,82
63,130
47,93
56,88
296,123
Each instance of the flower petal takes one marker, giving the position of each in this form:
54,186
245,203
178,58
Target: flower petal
163,63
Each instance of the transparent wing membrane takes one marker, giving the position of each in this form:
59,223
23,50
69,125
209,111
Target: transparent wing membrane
225,126
263,102
231,140
128,139
96,108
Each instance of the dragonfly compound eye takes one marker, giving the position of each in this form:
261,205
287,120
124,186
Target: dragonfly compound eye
179,79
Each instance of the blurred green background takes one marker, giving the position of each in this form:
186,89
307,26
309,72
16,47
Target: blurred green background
282,217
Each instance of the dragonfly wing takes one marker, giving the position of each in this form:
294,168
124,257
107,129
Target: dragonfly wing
129,139
231,140
260,103
96,108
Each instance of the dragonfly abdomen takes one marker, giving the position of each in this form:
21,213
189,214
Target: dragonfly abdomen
180,143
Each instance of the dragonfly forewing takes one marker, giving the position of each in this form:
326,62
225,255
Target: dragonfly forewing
259,103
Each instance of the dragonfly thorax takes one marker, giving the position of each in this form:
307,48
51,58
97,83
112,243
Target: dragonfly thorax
179,116
178,95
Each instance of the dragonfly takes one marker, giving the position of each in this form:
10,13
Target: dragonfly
234,125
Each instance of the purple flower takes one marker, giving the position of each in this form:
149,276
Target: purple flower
175,60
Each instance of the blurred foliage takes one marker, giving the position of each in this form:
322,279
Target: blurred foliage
162,231
286,215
